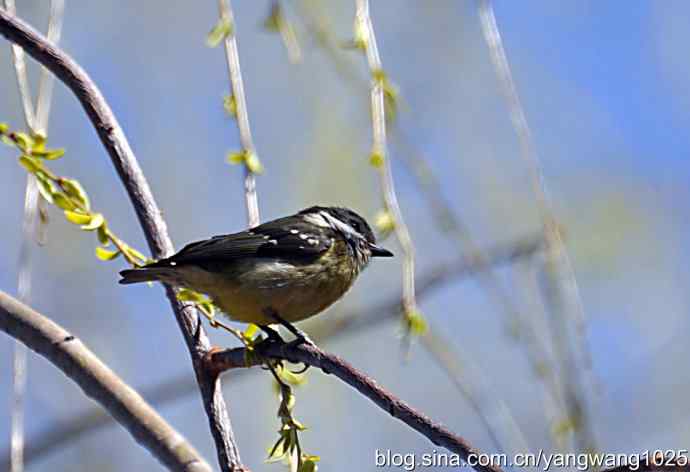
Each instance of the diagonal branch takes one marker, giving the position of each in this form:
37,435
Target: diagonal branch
100,383
312,355
149,215
350,323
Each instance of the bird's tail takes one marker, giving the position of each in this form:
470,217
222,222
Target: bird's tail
144,274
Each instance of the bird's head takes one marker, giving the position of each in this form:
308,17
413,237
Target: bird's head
352,227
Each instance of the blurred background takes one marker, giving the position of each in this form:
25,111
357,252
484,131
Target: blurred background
604,87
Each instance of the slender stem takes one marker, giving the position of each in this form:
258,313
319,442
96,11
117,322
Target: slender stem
451,224
235,73
100,383
36,120
562,293
149,215
379,146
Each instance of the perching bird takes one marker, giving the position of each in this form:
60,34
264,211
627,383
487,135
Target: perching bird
282,271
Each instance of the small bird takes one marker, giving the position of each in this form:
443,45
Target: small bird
282,271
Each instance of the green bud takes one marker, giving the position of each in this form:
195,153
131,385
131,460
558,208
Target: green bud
96,222
106,255
74,189
77,218
220,31
62,201
31,164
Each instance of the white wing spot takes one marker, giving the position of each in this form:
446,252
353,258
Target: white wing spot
173,263
303,236
266,236
273,241
313,242
293,231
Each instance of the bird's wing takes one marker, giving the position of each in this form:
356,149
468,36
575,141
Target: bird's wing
284,238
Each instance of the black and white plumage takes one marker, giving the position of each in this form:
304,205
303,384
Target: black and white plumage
295,266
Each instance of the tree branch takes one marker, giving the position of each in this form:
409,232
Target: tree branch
350,323
221,360
148,213
100,383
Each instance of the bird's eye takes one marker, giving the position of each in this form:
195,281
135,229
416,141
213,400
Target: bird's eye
356,226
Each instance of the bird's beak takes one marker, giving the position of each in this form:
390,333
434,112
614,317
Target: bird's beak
377,251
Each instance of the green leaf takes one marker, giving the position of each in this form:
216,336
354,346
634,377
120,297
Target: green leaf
105,254
230,105
77,218
360,36
4,128
62,201
23,141
253,163
416,322
236,157
292,378
384,221
6,140
251,330
102,233
96,222
45,187
186,295
31,164
220,31
74,189
273,20
48,154
309,464
39,140
134,254
376,159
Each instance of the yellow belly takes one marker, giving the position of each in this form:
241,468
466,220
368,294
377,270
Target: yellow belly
247,293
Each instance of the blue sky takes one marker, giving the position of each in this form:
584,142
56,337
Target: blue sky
604,87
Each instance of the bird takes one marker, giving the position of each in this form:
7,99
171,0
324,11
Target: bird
282,271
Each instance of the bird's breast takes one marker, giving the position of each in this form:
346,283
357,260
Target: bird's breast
294,291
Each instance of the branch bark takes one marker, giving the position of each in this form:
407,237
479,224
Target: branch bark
222,360
100,383
113,139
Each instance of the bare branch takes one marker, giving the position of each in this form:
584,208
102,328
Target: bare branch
348,324
148,213
100,383
331,364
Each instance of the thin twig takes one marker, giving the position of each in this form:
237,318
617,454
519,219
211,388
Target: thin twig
349,324
36,120
562,293
100,383
235,72
379,148
222,360
452,225
148,213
